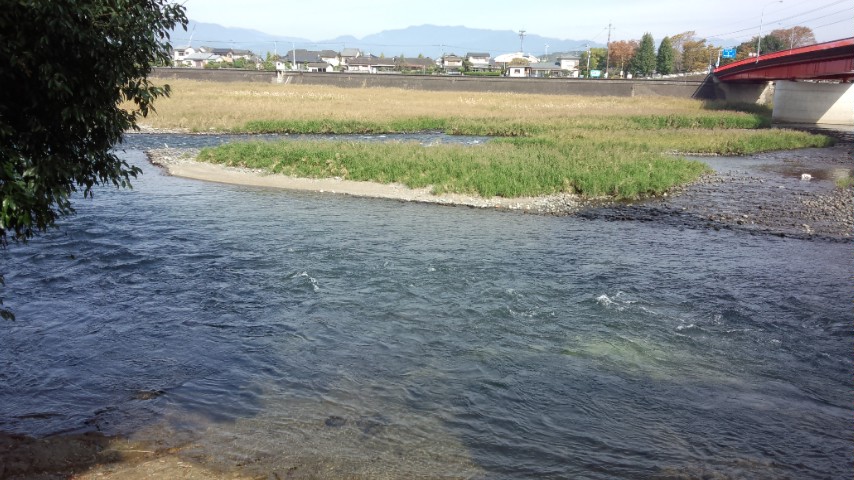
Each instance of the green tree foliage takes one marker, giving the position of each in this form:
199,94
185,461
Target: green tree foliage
664,59
597,60
771,43
678,42
643,63
695,55
65,68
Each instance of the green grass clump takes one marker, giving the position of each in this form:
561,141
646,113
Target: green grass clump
621,156
487,127
845,182
500,169
651,122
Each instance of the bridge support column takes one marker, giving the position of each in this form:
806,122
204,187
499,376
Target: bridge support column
810,102
737,92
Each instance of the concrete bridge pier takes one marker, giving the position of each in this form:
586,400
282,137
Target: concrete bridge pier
811,102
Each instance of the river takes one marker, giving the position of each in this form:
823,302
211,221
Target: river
362,337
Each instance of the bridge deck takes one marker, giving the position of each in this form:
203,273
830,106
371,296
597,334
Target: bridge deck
823,61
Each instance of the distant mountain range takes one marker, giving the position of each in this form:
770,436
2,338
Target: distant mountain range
429,40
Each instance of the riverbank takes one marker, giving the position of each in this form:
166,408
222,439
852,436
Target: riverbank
767,193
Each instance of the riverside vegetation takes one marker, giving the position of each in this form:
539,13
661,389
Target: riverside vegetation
592,146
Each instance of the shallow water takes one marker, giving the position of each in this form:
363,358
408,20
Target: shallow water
368,337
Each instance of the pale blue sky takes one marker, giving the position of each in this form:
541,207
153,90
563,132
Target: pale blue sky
732,19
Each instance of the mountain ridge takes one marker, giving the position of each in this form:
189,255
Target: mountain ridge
428,40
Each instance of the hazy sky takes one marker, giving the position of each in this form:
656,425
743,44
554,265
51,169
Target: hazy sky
565,19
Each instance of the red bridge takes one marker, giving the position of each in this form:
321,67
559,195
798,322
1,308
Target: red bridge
811,84
823,61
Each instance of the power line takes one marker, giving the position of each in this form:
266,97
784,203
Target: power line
754,27
828,15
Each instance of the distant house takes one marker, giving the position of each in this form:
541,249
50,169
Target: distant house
480,62
349,54
229,55
519,71
200,59
451,63
319,67
546,69
371,64
331,57
415,65
179,54
569,64
299,59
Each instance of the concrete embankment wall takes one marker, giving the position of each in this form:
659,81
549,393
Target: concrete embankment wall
550,86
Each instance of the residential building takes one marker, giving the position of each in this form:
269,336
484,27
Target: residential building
415,65
298,59
451,63
349,54
229,55
319,67
200,59
569,63
371,64
518,71
331,57
179,54
480,62
545,70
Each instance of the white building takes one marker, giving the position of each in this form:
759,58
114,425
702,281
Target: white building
569,63
179,54
479,61
200,59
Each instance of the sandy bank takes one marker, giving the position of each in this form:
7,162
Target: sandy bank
182,163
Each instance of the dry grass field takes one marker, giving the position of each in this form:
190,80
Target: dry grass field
208,106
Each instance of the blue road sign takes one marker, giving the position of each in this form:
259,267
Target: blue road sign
728,53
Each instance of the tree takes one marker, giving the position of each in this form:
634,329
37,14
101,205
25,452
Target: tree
597,60
664,59
678,42
695,55
794,37
65,68
644,61
770,44
622,53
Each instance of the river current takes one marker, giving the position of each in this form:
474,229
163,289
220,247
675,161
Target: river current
382,338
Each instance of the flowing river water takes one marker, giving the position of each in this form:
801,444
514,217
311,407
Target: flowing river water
272,332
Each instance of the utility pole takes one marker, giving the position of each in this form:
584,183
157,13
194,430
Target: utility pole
522,41
588,61
608,51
